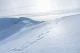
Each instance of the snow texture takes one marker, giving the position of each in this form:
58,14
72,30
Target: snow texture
57,36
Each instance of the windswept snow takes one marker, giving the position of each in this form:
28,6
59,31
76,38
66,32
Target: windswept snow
15,25
57,36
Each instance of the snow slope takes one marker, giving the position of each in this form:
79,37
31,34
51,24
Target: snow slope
15,26
57,36
6,22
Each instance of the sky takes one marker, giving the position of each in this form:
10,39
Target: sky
14,7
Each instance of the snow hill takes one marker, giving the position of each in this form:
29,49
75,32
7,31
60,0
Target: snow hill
10,26
57,36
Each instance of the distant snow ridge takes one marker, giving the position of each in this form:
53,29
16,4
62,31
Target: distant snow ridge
8,22
10,26
28,21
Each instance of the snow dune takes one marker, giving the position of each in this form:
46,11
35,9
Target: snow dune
57,36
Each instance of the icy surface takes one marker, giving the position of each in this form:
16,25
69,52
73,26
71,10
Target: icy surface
58,36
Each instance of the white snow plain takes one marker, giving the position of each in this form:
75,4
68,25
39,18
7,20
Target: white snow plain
61,35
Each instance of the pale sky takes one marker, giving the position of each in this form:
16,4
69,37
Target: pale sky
14,7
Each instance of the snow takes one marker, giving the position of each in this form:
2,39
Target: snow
9,22
15,26
61,35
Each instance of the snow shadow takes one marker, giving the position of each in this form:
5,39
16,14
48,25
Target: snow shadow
10,26
7,22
